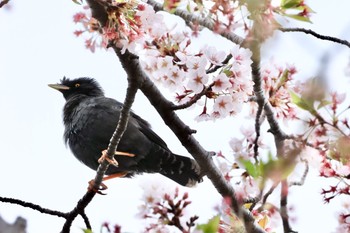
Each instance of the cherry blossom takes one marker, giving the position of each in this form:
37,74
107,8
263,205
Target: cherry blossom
223,105
196,80
213,55
221,82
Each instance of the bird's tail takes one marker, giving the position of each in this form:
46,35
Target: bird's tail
183,170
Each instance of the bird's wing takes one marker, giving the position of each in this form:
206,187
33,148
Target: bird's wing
140,123
146,129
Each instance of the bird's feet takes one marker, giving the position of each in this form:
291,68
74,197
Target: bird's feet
112,161
102,185
91,187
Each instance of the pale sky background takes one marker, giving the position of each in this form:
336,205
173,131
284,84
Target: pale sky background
38,47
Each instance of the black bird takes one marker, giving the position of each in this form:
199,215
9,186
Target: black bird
90,119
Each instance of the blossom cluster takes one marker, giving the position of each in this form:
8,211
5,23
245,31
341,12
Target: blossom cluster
277,83
188,74
166,208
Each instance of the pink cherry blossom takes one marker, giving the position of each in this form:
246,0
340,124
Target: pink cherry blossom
221,83
197,79
213,55
223,105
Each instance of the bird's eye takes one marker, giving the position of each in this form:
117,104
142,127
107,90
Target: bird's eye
77,85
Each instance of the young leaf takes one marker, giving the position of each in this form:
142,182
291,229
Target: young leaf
79,2
290,3
211,227
252,169
87,230
302,103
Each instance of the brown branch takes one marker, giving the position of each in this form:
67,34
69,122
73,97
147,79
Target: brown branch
257,131
68,216
284,209
33,206
79,209
315,34
303,177
3,3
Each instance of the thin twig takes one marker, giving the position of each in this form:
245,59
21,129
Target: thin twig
257,131
194,99
315,34
33,206
303,177
215,68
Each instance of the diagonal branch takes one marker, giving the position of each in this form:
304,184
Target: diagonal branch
183,133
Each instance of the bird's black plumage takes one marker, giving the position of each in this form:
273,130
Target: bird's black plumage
90,119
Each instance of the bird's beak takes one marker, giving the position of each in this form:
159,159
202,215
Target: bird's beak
58,87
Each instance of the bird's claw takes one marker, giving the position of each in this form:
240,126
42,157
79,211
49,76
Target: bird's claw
112,161
104,156
98,190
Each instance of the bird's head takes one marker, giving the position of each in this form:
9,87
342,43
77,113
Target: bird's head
80,86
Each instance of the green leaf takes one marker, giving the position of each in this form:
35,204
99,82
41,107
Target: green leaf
252,169
211,227
283,79
87,230
290,3
79,2
302,103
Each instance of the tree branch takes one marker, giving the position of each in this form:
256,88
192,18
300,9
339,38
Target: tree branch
315,34
33,206
187,17
284,209
3,3
194,99
70,216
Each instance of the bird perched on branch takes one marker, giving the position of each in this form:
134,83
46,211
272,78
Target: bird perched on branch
90,119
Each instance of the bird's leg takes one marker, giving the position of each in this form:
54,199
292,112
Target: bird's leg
114,162
115,175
